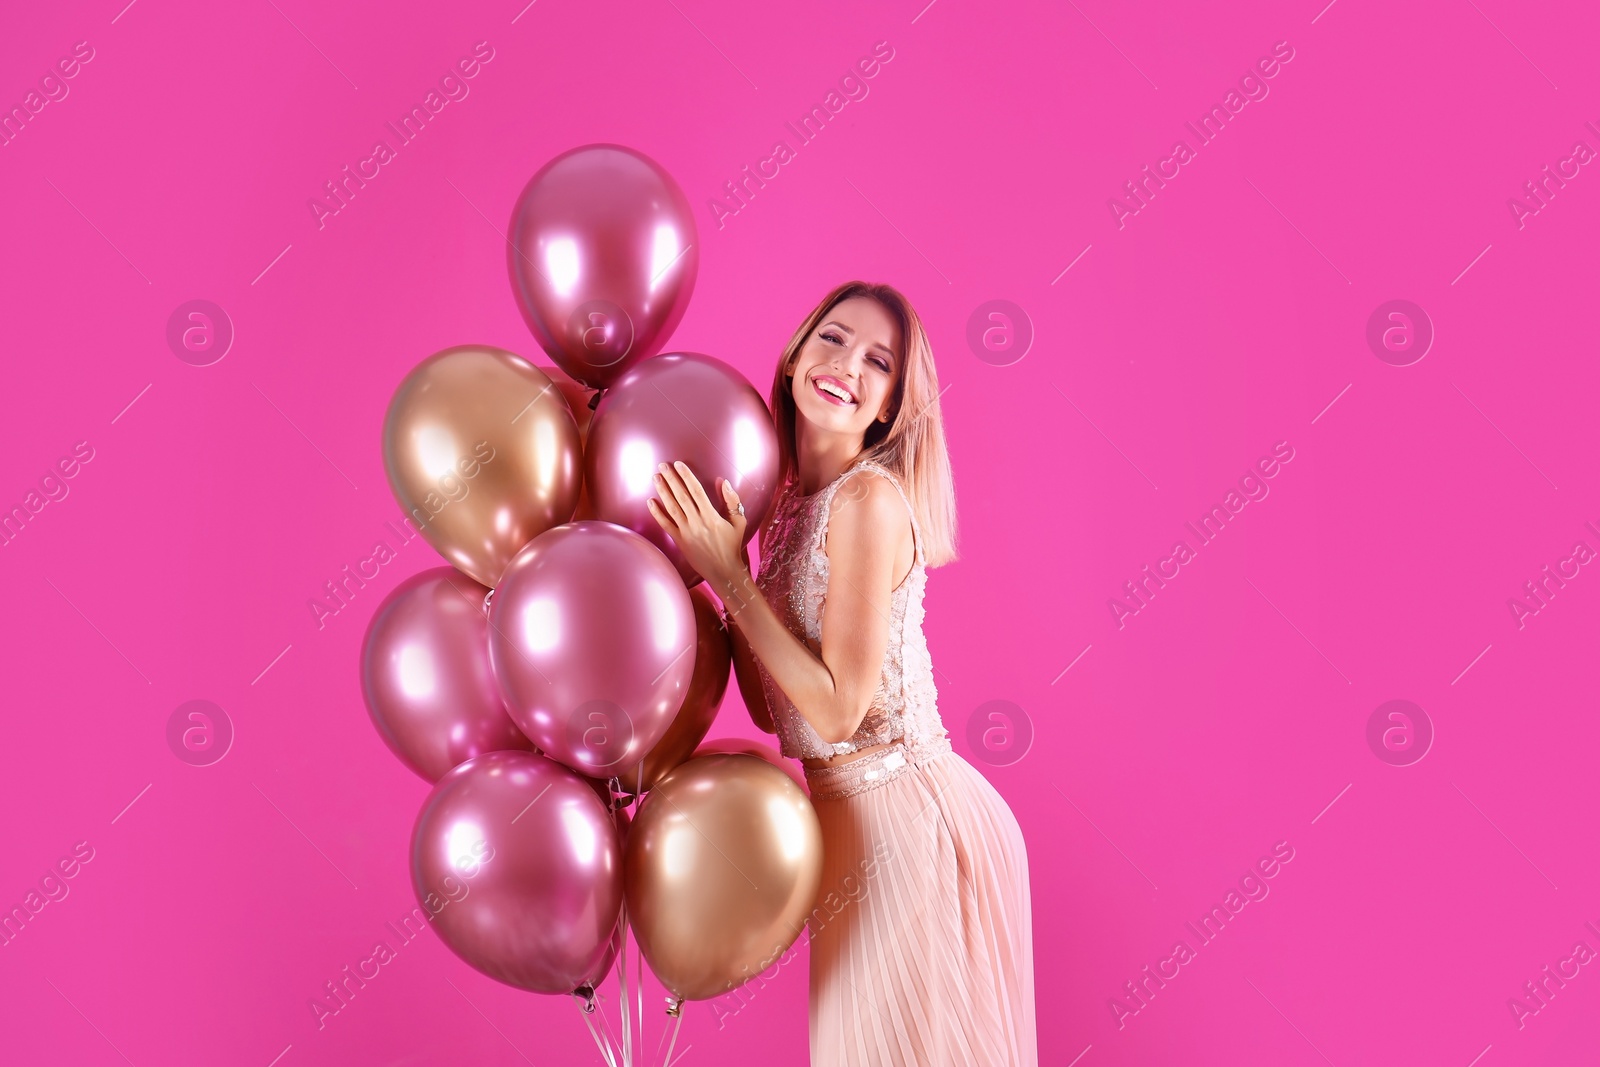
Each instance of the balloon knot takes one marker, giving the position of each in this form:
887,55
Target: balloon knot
594,401
585,994
674,1006
488,598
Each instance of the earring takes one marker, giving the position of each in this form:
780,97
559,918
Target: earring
883,418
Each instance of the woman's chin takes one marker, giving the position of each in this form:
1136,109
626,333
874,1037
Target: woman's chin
830,418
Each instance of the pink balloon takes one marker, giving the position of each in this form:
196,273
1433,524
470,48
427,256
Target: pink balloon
614,947
620,819
592,639
603,968
603,254
520,867
688,407
426,678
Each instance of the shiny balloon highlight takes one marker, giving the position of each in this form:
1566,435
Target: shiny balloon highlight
426,678
592,641
603,255
686,407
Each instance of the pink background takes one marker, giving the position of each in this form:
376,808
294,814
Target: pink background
1226,316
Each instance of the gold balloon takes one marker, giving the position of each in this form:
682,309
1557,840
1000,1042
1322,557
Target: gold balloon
713,656
721,868
745,746
577,396
483,454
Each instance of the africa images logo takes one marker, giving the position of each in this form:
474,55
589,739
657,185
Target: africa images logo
1253,87
453,87
852,87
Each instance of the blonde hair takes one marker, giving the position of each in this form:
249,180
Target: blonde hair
911,444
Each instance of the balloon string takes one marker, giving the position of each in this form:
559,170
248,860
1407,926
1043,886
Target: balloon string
622,982
677,1022
605,1021
638,798
605,1052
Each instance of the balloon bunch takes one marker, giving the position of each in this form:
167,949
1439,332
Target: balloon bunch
569,664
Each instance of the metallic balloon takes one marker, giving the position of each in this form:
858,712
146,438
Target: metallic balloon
426,678
577,397
722,867
688,407
713,655
592,639
613,950
618,936
602,789
745,747
519,866
603,254
483,454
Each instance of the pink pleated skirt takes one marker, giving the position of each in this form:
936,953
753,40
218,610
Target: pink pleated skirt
922,938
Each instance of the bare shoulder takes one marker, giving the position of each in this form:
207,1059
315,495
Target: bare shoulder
867,509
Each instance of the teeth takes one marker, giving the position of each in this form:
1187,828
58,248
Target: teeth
829,387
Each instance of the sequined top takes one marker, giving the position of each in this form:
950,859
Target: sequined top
794,579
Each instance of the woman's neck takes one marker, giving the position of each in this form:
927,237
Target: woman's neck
820,458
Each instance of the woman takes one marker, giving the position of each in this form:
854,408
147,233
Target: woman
925,954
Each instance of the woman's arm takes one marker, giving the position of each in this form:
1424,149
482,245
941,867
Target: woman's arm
866,525
867,529
747,674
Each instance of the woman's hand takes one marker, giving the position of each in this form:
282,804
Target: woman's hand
712,545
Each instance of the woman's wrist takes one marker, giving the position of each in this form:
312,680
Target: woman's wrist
736,590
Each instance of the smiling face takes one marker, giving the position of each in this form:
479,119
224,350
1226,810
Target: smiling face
846,372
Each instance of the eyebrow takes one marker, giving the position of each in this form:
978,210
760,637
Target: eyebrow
885,349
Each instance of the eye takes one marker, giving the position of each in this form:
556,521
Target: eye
881,363
833,337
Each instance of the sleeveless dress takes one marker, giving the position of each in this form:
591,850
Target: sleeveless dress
921,939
